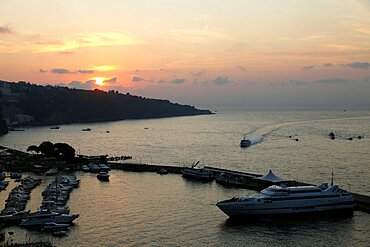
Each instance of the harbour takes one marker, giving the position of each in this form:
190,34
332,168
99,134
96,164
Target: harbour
146,208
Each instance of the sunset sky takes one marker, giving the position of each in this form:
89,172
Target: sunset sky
207,53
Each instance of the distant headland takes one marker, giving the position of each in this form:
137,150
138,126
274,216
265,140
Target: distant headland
25,104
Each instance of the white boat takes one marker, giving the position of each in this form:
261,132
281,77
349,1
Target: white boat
94,167
52,172
85,168
276,200
42,217
104,176
244,143
197,173
104,167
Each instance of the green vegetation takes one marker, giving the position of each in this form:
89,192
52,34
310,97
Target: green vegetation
61,151
51,105
3,126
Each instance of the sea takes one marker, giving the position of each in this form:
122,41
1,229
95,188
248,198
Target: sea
148,209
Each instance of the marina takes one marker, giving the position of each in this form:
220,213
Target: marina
138,200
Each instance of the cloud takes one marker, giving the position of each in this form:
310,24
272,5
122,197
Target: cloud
111,80
85,71
86,40
80,85
62,71
137,79
241,68
42,71
308,67
297,83
178,81
221,80
6,30
334,81
201,73
328,65
359,65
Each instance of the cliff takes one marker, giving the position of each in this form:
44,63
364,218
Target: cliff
50,105
3,125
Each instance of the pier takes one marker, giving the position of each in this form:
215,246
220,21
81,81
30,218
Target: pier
250,180
14,160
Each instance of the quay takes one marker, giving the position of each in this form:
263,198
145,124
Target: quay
14,160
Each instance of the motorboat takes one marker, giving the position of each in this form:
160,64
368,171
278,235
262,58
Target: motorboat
277,200
15,175
104,167
162,171
85,168
55,128
42,217
3,185
104,176
94,167
52,172
195,172
244,143
86,129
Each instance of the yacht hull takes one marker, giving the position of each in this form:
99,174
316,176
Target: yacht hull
234,209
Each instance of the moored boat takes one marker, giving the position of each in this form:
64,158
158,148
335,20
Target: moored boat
42,217
197,173
104,176
52,172
277,200
244,143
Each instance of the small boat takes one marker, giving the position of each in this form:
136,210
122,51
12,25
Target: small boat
245,143
103,176
3,185
104,167
2,176
86,129
283,200
94,167
85,168
52,172
55,128
41,217
197,173
162,171
15,175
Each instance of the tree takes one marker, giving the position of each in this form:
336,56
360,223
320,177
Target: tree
47,148
33,149
64,151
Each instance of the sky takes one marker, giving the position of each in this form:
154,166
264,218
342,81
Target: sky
207,53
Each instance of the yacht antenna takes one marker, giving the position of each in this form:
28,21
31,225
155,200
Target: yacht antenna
332,178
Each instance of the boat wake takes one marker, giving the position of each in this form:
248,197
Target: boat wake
257,135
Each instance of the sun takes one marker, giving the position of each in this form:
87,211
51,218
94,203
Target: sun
99,81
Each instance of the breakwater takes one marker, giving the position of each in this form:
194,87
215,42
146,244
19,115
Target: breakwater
250,180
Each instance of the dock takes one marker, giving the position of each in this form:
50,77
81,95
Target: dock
250,180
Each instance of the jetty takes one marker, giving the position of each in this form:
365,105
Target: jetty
14,160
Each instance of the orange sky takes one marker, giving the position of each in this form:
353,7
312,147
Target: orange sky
207,53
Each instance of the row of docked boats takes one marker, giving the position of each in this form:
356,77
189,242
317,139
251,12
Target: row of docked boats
20,195
95,168
100,168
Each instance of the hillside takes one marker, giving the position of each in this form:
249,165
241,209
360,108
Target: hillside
30,104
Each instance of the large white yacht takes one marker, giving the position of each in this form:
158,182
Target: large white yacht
289,200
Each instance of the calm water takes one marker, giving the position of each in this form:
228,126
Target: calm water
144,209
